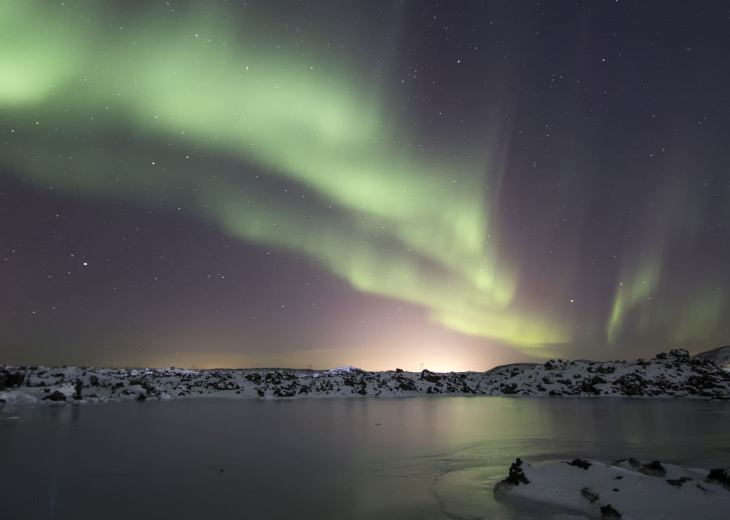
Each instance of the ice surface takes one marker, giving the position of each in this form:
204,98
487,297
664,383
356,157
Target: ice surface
420,458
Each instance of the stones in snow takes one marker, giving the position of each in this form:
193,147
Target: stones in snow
589,495
679,353
653,468
515,477
579,463
406,385
284,392
55,396
720,476
78,386
11,380
678,481
427,375
510,389
609,513
631,488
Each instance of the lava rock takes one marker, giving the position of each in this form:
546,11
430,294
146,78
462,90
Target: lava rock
609,513
55,396
721,476
407,385
678,481
589,495
78,386
427,375
12,380
515,478
510,389
580,463
679,353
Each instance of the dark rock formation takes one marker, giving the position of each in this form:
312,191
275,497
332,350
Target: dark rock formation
55,396
515,478
78,386
284,392
589,495
609,513
679,353
579,463
427,375
509,389
720,476
406,384
678,481
11,380
653,468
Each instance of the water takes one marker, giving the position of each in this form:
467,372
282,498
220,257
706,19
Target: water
400,459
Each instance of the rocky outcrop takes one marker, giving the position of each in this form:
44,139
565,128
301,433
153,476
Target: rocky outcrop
672,374
515,477
720,476
9,379
55,396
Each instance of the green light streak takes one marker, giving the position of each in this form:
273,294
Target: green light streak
408,227
652,303
632,293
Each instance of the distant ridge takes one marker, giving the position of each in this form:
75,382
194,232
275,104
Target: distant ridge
673,374
511,366
719,356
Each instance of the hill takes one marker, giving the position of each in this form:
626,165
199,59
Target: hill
718,356
673,374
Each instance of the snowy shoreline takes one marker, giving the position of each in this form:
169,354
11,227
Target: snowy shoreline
626,489
675,374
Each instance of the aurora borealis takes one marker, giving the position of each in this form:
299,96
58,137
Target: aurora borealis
379,184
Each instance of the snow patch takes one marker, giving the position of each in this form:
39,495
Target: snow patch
344,369
627,489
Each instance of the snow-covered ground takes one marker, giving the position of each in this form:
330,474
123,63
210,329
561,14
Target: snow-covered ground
675,374
627,489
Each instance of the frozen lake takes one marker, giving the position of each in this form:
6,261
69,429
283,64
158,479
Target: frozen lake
419,458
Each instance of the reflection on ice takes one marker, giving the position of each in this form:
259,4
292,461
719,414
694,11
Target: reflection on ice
392,459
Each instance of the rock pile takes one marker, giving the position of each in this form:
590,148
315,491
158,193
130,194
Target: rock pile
673,374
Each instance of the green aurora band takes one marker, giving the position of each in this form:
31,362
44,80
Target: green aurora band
646,300
138,112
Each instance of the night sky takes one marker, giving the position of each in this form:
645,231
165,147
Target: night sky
453,185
